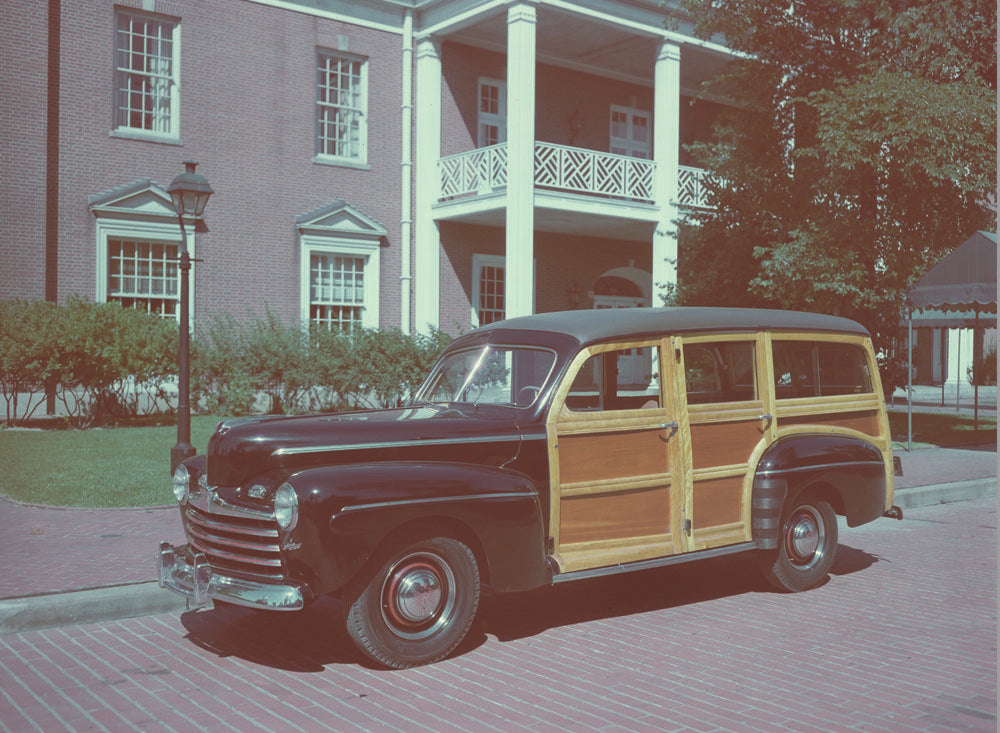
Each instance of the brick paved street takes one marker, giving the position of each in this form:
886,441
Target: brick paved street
903,637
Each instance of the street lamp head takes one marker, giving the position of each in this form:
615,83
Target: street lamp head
189,191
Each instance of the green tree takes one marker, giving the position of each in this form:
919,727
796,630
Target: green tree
861,148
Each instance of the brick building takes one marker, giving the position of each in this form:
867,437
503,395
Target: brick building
393,163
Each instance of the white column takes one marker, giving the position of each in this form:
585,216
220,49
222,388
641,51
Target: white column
520,159
406,172
666,155
427,265
960,356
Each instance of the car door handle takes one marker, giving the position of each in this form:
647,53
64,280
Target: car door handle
766,418
671,426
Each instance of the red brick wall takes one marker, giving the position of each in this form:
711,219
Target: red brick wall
22,150
246,115
561,261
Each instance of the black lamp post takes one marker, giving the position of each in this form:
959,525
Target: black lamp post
189,191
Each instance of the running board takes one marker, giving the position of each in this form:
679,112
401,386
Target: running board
656,562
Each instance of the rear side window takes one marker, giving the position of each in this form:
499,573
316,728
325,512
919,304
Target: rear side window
819,369
720,372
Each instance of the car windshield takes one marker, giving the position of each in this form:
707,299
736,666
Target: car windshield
490,374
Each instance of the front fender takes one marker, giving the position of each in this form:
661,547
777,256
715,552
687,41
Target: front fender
852,466
348,512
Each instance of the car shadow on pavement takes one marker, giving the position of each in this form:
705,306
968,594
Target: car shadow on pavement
296,641
314,638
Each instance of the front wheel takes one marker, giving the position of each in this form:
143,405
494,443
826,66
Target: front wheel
419,604
808,543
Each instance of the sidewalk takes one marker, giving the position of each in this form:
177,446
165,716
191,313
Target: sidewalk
63,565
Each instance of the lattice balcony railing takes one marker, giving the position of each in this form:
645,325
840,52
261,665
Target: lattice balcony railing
474,173
691,189
590,172
593,172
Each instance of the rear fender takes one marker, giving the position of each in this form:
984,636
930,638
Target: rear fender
849,469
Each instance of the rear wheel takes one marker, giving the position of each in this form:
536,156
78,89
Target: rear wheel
807,546
419,604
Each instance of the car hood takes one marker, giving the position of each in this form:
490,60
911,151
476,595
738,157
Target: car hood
243,447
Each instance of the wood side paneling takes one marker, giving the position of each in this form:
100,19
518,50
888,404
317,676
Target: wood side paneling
864,422
718,501
724,444
602,456
610,516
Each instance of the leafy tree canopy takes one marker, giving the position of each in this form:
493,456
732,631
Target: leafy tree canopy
859,150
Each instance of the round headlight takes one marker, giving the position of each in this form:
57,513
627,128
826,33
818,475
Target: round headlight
182,482
286,506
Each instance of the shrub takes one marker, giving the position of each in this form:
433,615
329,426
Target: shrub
892,371
984,370
298,370
27,359
111,362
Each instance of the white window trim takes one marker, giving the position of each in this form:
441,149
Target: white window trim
486,118
362,160
630,145
479,261
320,244
174,136
137,230
619,301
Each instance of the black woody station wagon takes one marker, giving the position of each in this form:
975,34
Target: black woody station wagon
541,450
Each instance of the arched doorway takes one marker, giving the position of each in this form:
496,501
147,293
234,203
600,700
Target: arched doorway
627,287
623,287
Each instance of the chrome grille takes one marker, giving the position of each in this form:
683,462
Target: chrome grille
232,537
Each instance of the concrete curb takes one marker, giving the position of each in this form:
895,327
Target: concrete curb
90,605
917,496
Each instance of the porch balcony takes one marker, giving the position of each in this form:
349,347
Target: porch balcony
576,189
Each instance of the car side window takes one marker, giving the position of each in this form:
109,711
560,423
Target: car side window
720,372
626,379
819,369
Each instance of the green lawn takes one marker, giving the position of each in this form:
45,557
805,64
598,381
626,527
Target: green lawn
943,429
107,467
130,466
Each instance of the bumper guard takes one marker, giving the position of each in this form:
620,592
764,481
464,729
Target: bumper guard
187,572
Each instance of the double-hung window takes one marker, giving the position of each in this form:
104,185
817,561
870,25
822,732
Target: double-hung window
630,132
492,112
487,289
337,290
146,75
143,275
341,108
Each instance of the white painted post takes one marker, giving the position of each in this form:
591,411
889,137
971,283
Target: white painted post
666,155
427,265
518,281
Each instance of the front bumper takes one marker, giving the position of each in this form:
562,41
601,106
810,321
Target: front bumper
188,572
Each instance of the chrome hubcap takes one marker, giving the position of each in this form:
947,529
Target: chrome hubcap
418,596
804,537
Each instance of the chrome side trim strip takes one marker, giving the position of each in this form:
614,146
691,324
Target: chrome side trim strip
656,562
818,467
403,444
435,500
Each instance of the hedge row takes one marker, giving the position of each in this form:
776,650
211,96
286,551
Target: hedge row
104,363
237,364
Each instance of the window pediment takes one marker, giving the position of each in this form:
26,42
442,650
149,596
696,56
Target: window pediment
140,199
340,219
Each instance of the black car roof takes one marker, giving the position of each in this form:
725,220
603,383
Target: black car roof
606,324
